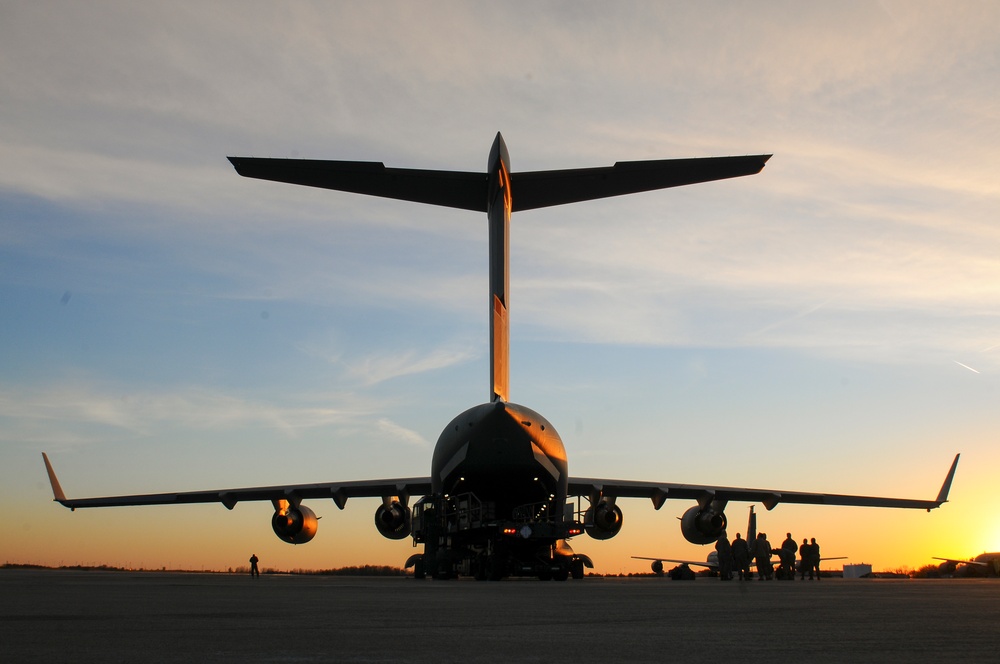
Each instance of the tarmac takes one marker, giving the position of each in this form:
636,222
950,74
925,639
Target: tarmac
94,616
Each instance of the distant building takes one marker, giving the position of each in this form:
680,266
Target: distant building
857,571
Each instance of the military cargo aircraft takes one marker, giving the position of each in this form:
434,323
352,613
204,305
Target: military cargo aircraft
989,561
499,500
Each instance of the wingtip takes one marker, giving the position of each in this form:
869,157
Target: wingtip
57,492
946,487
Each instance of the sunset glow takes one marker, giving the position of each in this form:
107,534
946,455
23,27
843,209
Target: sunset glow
832,324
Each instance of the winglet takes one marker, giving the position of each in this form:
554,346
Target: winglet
946,487
57,492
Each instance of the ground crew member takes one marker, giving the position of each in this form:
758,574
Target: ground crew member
741,557
725,554
253,565
814,559
762,556
804,559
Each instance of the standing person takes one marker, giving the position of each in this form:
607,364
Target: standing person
790,545
725,553
787,554
814,550
804,559
253,566
741,557
762,556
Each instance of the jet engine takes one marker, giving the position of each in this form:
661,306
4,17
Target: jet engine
703,525
603,520
393,520
295,524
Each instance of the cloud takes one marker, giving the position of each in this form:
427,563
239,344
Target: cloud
78,413
378,368
395,432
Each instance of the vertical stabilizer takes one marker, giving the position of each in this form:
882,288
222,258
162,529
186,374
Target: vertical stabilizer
500,350
498,208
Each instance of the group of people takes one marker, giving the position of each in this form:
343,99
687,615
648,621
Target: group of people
739,554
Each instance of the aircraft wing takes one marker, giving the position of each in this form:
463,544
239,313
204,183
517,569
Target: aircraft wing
339,492
700,563
962,562
660,492
468,191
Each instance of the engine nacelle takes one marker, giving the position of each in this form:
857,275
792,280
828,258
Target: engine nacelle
393,522
295,525
603,521
703,525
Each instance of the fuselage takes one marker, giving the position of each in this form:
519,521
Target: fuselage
508,455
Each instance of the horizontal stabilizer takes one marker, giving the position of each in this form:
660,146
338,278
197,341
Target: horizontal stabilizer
468,191
455,189
539,189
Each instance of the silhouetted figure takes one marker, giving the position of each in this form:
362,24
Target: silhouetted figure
725,554
741,557
762,556
786,564
787,557
804,560
681,573
253,566
815,558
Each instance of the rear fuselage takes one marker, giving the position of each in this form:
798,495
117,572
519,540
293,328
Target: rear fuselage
505,454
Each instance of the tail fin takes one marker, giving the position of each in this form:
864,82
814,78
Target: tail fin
492,192
752,525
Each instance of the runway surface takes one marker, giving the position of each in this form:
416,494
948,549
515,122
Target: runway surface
89,616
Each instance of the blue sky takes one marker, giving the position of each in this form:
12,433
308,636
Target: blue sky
830,324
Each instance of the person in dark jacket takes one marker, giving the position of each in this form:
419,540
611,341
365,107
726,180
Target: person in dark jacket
814,558
253,565
741,557
804,559
725,554
762,556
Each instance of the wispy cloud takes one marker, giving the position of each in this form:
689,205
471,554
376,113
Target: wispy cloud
378,368
395,432
54,413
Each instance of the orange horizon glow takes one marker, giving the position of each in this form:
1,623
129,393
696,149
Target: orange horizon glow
208,538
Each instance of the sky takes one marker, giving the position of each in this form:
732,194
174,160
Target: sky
831,324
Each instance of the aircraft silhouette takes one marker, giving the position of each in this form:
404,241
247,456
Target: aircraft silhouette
712,559
499,499
990,561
